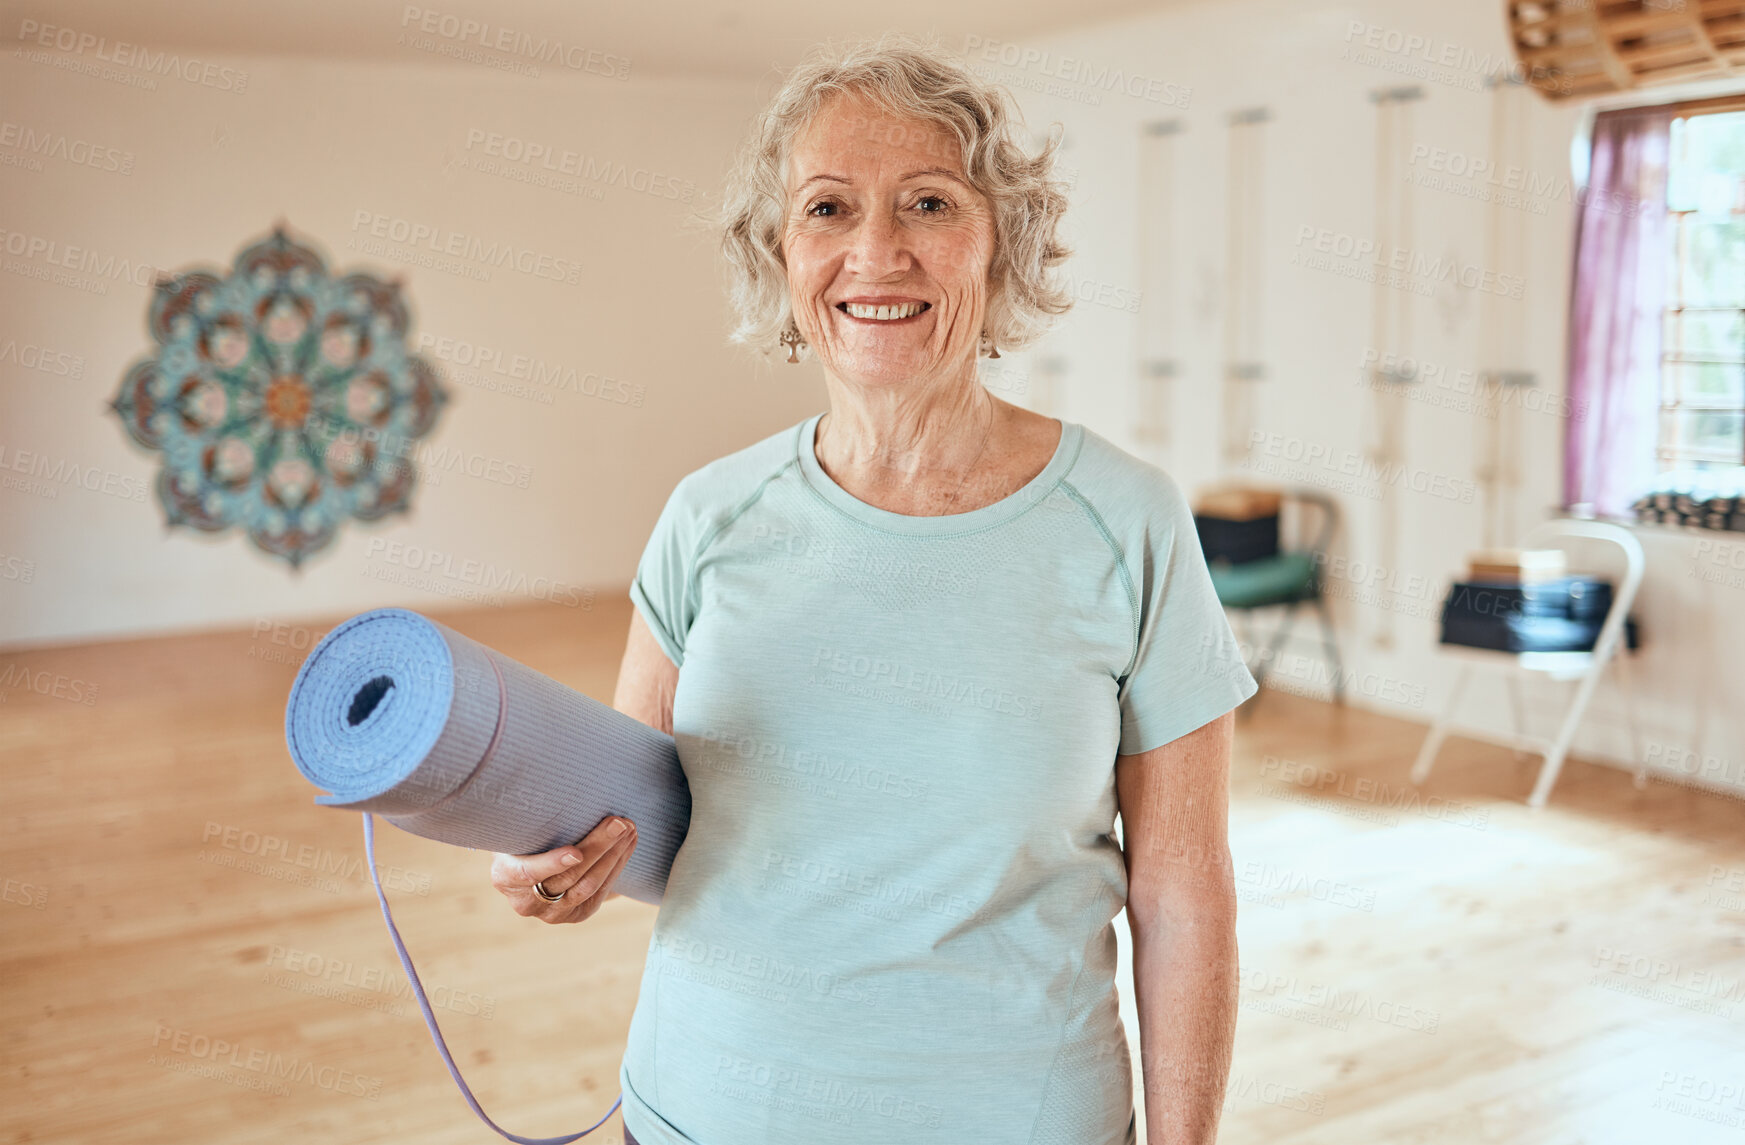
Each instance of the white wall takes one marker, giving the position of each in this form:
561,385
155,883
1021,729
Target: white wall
1305,63
315,143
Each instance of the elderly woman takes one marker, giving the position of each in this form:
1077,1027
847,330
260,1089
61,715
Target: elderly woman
917,651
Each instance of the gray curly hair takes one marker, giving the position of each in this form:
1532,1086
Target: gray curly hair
910,79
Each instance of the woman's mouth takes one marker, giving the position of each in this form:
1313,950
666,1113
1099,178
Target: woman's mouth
883,312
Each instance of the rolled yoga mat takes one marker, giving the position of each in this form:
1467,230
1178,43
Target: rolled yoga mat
396,714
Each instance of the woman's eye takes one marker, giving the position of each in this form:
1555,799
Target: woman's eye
941,204
821,209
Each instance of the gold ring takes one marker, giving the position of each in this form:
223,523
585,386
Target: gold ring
539,889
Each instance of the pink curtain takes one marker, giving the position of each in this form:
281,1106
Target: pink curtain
1615,319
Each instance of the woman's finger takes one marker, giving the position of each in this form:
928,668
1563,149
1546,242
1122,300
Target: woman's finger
594,850
561,866
580,883
597,897
558,868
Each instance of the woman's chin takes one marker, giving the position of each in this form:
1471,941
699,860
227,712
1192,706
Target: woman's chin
884,369
884,361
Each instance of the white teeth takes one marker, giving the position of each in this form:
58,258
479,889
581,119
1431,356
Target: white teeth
884,313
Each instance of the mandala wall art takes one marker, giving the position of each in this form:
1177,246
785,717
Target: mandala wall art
282,399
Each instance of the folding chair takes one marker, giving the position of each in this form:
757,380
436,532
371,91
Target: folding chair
1587,667
1289,578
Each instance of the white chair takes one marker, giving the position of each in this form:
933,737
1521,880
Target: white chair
1584,666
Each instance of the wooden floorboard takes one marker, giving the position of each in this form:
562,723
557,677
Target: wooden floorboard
1429,966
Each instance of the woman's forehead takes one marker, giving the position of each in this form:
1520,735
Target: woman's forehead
851,133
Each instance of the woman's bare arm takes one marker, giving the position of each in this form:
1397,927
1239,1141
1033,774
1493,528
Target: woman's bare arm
646,682
1181,905
646,678
589,868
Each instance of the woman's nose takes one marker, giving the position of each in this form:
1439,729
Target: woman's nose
879,248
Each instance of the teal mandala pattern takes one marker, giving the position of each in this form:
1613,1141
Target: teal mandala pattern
284,400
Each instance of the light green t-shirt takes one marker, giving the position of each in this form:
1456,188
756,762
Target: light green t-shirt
891,918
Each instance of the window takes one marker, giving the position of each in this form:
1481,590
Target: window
1702,373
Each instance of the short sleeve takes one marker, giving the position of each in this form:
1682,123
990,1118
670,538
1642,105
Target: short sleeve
1188,668
664,588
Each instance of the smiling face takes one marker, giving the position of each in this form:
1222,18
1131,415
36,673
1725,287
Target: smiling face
887,246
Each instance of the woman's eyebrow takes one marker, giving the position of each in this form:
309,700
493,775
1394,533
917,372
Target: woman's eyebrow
945,171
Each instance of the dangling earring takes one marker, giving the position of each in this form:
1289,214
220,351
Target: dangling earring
792,340
988,346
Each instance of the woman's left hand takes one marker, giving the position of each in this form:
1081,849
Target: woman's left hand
581,875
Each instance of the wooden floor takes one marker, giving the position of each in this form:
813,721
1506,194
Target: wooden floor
1418,967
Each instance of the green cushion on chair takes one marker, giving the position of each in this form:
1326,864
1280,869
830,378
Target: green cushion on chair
1270,580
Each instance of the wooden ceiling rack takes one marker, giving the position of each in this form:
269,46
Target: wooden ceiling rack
1571,49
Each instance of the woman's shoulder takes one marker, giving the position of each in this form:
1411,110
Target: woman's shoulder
721,486
1124,488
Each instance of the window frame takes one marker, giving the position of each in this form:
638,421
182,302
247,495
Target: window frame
1671,453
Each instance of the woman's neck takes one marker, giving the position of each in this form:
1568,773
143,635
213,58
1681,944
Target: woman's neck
911,431
928,451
